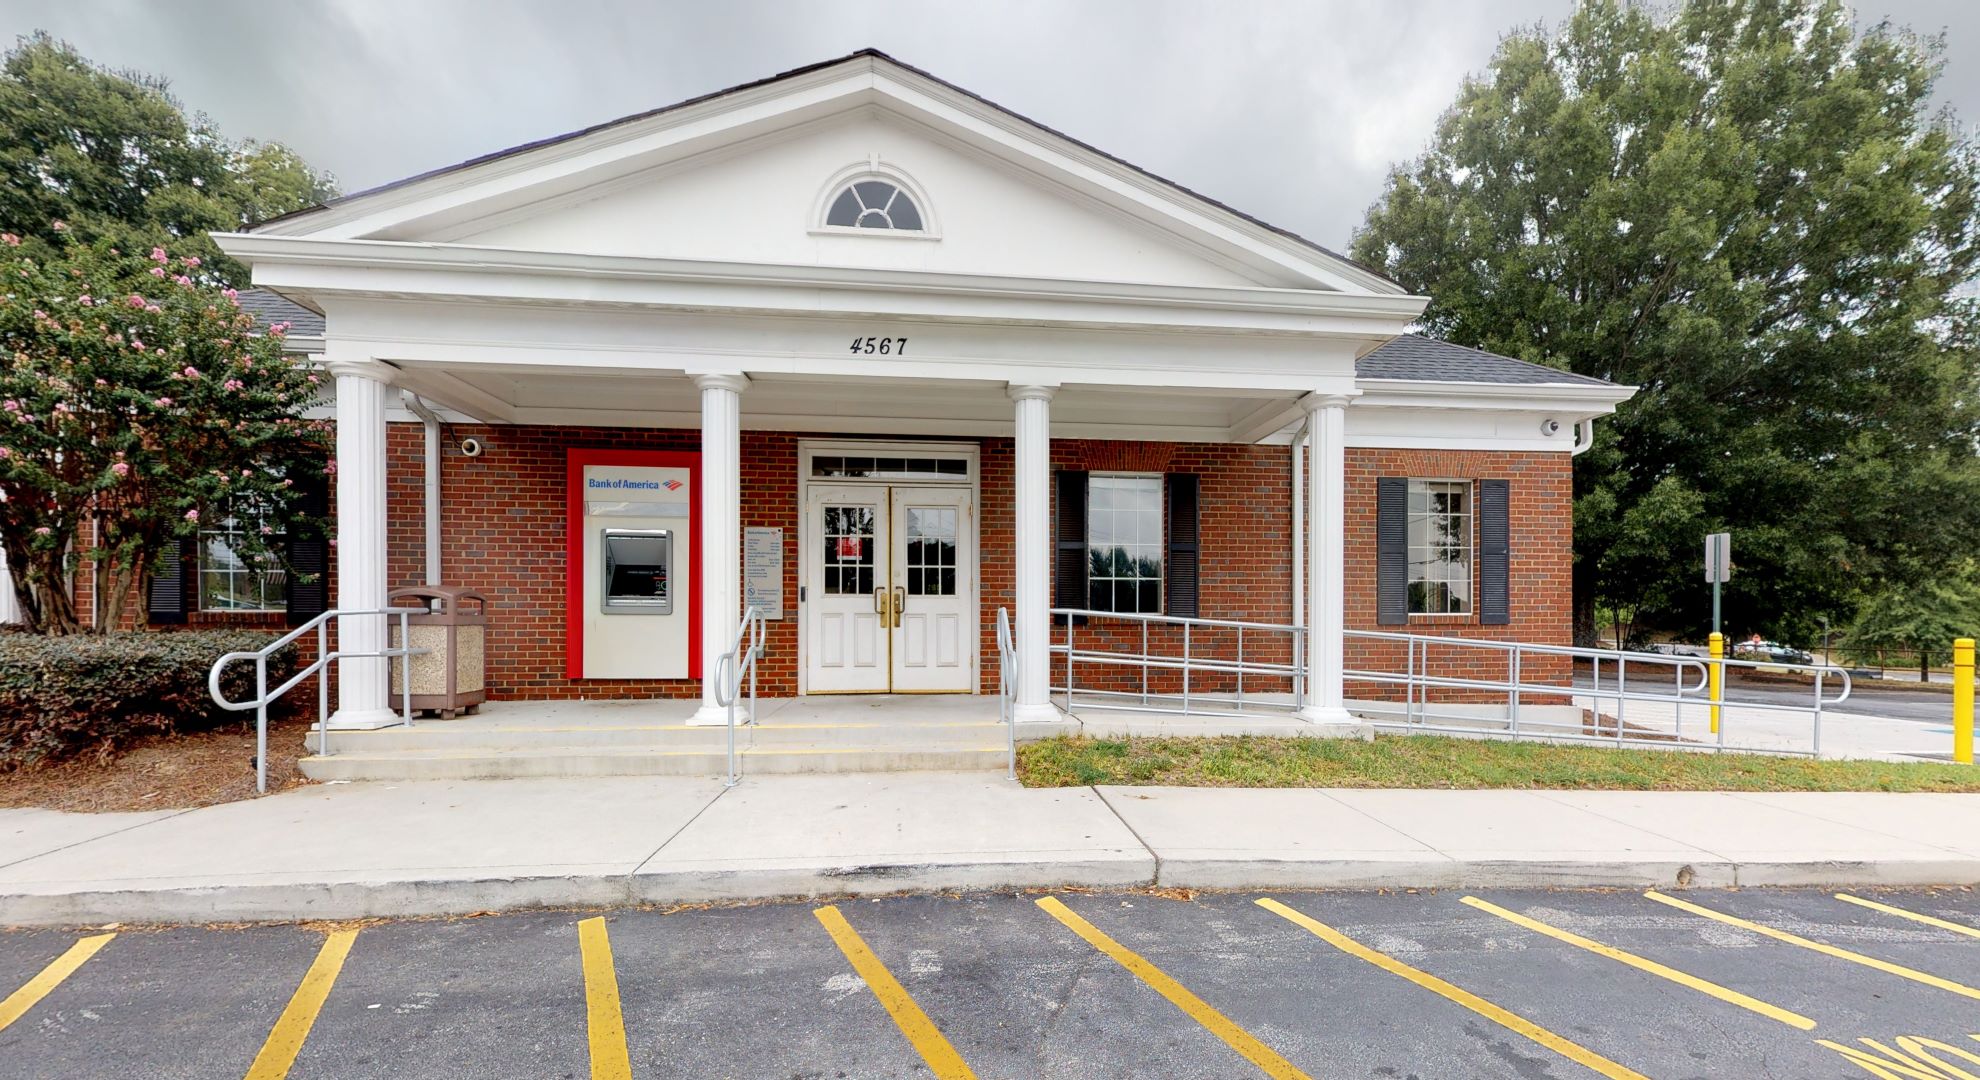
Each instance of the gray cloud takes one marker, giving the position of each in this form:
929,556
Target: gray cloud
1290,110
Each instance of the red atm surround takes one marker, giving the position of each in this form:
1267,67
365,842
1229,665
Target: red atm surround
575,461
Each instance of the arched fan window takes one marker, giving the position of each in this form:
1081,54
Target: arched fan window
874,204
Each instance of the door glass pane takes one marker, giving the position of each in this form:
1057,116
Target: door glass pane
931,550
848,550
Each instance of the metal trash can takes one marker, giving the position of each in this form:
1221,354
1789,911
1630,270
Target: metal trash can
448,679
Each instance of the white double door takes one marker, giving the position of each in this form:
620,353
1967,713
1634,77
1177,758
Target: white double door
889,589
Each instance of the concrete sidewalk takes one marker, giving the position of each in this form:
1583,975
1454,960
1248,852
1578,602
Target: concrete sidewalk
449,847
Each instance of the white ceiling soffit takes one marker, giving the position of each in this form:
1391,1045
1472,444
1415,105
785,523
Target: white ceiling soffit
559,168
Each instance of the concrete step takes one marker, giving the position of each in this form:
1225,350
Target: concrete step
459,736
476,764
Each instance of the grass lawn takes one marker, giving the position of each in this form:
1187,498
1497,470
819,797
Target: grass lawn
1429,761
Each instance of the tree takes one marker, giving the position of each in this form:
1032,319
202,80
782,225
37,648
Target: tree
136,398
1743,208
114,157
1923,619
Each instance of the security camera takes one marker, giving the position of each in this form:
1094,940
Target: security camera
471,447
1550,427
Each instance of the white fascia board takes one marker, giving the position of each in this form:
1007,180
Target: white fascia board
528,176
1037,149
1580,400
373,267
617,147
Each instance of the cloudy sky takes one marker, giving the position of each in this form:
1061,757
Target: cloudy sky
1291,110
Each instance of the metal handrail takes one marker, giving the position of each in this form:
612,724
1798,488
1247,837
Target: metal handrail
264,696
1007,687
1678,693
729,675
1292,671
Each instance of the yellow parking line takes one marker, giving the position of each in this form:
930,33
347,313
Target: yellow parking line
1732,997
285,1040
1573,1051
605,1025
1912,915
20,1001
1826,950
921,1032
1197,1009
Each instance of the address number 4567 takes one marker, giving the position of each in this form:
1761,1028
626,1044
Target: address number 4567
880,346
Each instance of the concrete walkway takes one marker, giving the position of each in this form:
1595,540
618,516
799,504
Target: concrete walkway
439,847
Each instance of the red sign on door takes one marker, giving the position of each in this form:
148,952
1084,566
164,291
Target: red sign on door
850,547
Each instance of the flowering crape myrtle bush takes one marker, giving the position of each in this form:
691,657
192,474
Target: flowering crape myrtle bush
135,393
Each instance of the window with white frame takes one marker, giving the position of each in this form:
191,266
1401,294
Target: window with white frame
1124,543
874,204
1440,546
233,576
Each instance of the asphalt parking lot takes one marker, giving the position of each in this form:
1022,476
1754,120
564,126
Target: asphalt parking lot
1509,984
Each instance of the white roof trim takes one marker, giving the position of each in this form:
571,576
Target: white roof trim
614,150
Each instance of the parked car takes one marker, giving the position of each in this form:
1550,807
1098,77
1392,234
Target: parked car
1771,652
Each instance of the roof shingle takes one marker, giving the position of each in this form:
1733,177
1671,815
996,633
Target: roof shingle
1416,358
269,308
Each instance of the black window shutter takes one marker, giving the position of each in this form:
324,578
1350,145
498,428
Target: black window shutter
1069,576
1392,551
172,589
1185,553
309,553
1494,552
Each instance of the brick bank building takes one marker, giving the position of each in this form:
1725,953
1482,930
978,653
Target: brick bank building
882,358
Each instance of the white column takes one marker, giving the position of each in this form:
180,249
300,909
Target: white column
1032,559
1326,598
721,533
362,684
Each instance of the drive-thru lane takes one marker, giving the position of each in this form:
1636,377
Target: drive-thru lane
1430,984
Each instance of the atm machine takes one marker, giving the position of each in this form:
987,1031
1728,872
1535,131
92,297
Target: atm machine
636,550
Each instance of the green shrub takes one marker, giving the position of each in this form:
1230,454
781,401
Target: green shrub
89,693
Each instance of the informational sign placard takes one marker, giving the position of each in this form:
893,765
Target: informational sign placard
1718,557
763,571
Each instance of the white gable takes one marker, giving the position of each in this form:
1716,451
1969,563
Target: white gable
739,177
766,204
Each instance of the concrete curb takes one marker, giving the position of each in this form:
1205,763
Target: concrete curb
459,896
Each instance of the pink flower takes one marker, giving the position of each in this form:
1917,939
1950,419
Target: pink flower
181,279
59,226
103,382
190,372
158,255
163,403
229,294
137,344
136,301
313,380
157,271
192,260
279,329
10,239
330,466
5,453
84,300
232,384
11,405
122,468
268,530
152,308
287,482
247,472
192,515
62,406
43,531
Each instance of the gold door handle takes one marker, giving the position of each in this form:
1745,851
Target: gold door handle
900,603
883,606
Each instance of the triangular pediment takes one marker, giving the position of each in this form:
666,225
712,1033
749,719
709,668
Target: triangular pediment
748,175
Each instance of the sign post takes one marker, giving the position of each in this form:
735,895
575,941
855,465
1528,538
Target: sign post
1718,568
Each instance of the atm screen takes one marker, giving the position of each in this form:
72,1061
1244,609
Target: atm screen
636,570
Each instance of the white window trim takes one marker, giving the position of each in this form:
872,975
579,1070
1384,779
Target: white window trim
1161,543
1470,611
199,576
874,169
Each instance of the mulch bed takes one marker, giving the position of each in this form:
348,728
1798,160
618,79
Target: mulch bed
166,772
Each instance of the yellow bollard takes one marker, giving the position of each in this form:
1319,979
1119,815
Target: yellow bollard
1717,674
1963,701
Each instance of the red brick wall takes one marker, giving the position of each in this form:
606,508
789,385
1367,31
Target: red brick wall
1541,492
503,532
